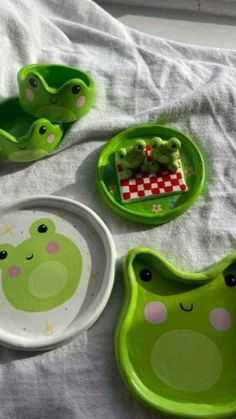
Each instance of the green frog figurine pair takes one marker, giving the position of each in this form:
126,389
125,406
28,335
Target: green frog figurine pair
164,154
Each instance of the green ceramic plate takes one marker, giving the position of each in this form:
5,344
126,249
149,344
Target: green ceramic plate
158,209
175,340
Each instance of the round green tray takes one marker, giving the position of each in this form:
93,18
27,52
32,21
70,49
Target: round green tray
159,209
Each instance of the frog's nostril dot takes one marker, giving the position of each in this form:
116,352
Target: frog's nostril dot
155,312
14,271
53,247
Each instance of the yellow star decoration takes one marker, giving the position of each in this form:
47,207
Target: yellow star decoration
8,229
49,327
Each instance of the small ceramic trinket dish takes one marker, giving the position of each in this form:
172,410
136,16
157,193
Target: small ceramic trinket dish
24,138
150,174
57,92
57,263
175,339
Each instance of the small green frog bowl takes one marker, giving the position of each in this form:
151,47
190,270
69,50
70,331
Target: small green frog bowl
57,92
24,138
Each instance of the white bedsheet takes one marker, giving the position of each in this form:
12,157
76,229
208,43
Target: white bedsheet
139,78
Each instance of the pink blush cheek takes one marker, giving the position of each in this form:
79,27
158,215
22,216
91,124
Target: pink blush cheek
51,138
30,95
53,247
155,312
80,102
14,271
220,319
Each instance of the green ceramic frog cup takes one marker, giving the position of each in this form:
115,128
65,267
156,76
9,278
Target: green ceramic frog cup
56,92
24,138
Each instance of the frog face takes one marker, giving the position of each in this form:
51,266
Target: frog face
176,336
40,140
132,157
43,271
165,152
59,93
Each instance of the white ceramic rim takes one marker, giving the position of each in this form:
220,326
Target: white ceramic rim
23,343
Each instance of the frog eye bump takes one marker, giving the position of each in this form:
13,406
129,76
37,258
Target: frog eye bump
140,145
3,254
42,228
230,280
174,143
145,275
33,82
75,89
42,130
122,153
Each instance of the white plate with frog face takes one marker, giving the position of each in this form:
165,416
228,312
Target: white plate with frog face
57,263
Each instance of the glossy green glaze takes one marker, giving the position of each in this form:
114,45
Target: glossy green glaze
175,339
57,92
23,138
142,211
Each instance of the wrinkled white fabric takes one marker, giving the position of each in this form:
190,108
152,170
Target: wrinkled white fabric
139,78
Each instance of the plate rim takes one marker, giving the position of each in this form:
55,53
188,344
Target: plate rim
134,215
17,342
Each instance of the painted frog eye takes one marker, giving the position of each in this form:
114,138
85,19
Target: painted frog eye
75,89
33,82
3,254
145,275
42,228
230,280
42,130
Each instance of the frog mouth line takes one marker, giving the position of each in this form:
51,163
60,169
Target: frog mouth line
30,257
22,147
186,309
53,101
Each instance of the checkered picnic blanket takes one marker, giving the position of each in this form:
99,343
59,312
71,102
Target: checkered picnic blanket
148,185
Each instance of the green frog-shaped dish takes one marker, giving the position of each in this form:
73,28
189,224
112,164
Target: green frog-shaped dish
24,138
57,92
175,340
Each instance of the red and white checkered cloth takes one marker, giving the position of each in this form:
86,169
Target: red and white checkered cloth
148,185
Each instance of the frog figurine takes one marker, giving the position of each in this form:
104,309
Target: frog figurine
164,154
43,271
131,158
176,336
